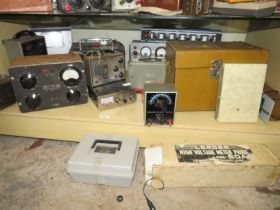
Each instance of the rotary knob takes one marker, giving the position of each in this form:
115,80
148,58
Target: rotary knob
120,60
77,3
28,81
121,75
73,95
96,3
33,101
115,69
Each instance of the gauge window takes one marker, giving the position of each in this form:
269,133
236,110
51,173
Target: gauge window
162,102
161,52
146,52
70,76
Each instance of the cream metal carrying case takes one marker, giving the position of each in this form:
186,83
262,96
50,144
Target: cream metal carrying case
107,160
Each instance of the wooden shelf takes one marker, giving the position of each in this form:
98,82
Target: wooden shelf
71,123
127,21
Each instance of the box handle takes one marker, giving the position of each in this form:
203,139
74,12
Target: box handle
119,143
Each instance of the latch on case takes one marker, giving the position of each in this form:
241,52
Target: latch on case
216,68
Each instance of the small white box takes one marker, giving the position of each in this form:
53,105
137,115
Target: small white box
240,92
102,159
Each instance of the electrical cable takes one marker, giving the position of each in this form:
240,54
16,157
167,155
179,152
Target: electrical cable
149,202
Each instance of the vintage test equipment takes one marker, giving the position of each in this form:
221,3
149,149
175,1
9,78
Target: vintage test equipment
25,43
85,46
144,50
58,39
104,68
125,5
277,9
180,34
197,79
174,5
48,81
159,104
197,7
112,95
80,6
255,9
118,155
26,6
149,71
7,96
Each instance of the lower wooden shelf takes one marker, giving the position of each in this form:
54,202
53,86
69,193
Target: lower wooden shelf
71,123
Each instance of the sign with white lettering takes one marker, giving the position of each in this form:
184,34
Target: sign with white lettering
196,153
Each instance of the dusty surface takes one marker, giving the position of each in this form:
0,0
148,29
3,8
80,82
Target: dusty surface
33,176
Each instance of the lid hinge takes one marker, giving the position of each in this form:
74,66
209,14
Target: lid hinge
216,68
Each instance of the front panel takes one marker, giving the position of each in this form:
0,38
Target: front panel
105,68
124,5
80,6
46,86
140,73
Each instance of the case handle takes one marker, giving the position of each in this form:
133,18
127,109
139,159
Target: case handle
23,33
119,143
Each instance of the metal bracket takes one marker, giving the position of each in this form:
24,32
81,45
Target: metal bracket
216,68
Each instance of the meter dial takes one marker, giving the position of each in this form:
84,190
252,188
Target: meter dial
161,97
70,76
161,52
161,101
77,4
146,52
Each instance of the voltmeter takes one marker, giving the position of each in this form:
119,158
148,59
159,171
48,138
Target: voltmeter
160,103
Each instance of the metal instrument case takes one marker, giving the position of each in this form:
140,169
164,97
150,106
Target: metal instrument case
104,159
191,66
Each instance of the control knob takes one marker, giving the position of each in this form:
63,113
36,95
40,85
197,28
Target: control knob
115,69
96,3
28,81
33,101
73,95
77,3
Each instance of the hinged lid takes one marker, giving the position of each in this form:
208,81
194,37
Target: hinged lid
36,60
201,54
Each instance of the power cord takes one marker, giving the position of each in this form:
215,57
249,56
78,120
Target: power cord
149,202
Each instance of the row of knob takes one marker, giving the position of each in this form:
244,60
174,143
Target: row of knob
182,37
77,4
125,100
34,100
